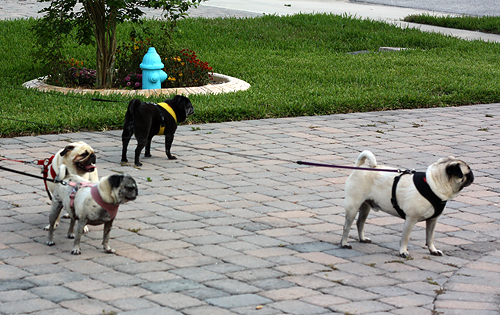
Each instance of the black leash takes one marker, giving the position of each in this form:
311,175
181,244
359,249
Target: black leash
34,176
351,167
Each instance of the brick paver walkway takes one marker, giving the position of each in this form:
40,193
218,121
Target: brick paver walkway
218,233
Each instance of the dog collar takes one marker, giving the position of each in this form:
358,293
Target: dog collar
112,209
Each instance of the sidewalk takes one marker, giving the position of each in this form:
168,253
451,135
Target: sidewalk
217,233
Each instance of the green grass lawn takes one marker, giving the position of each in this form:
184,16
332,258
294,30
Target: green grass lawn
297,65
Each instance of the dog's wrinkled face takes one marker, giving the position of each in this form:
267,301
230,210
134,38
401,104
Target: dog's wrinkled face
452,172
184,103
125,187
189,108
81,155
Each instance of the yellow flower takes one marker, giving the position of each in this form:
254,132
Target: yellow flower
171,79
136,47
180,74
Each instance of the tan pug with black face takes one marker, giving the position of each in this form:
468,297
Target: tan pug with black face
415,197
89,203
80,159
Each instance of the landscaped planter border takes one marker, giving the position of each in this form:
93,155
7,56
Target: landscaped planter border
222,84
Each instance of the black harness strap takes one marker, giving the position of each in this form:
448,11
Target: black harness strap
162,114
425,190
394,200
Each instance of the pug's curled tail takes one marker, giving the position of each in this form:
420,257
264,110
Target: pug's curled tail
63,171
366,157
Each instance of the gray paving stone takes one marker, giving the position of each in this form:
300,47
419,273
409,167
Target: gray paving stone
238,300
56,278
117,278
312,247
153,311
56,311
132,304
56,294
205,293
270,284
232,286
256,274
15,285
198,274
135,268
16,295
27,306
172,286
299,308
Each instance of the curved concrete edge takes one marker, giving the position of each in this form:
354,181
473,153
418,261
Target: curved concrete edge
458,33
223,84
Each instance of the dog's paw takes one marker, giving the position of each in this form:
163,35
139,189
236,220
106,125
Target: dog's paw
171,157
366,240
66,216
86,229
71,236
346,246
437,253
404,255
51,243
123,163
109,250
76,251
139,164
147,155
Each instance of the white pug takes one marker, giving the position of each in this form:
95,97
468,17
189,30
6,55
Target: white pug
79,158
89,203
415,197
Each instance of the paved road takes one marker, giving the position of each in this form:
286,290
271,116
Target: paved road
216,233
468,7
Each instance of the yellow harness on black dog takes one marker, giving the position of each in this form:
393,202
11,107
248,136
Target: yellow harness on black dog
171,112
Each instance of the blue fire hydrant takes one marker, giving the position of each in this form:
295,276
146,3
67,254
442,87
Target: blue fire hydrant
152,75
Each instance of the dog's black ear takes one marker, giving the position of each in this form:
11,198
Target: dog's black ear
454,170
115,180
67,149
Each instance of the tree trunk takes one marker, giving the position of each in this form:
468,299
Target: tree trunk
104,26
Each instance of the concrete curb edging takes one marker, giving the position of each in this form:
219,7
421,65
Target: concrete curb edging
223,84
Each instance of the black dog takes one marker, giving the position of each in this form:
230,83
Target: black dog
146,120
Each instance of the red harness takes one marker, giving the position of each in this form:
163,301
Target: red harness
47,166
110,208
